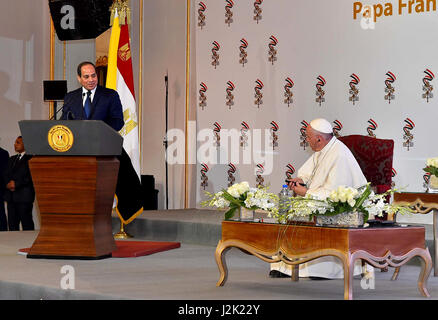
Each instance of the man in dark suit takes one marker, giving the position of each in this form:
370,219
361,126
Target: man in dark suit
20,193
4,156
104,104
91,101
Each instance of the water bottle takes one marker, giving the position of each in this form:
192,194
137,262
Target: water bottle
283,197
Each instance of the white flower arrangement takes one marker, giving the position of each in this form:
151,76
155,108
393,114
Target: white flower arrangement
432,166
242,195
341,200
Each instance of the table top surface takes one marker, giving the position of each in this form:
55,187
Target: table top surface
411,197
300,224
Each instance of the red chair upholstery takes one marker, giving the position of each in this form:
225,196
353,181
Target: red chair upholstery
374,157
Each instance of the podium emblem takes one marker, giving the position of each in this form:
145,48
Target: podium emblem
60,138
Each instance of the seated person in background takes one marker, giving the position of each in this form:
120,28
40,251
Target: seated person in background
331,165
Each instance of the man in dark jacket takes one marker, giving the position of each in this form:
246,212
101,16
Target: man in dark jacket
20,193
4,156
91,101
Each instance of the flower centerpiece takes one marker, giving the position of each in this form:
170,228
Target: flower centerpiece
241,196
432,168
344,206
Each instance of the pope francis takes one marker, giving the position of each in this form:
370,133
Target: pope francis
331,165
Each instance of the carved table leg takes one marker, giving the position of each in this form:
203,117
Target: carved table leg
435,242
348,277
426,268
295,272
395,275
220,252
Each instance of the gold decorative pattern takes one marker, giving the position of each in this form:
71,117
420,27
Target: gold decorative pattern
60,138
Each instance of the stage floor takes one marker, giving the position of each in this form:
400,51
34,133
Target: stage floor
186,273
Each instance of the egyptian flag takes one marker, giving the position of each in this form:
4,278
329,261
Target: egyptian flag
120,78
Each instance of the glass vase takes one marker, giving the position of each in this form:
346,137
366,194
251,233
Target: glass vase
246,214
346,219
433,184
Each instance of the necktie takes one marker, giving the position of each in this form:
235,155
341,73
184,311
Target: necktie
87,104
17,159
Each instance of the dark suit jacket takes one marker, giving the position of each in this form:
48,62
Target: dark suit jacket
20,173
4,156
106,106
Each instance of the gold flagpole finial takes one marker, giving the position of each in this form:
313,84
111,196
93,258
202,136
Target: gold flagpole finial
123,10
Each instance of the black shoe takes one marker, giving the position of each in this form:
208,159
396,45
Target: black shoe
278,274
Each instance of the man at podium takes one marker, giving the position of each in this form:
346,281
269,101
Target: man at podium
92,101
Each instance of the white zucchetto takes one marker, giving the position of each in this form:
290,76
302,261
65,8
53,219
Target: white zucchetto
321,125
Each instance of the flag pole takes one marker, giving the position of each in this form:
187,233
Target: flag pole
186,164
140,79
52,63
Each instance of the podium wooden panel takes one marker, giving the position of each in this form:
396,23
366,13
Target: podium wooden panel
74,171
75,196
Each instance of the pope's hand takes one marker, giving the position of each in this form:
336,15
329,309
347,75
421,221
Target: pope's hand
299,189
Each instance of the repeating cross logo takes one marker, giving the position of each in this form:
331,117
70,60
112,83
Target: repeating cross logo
230,97
354,91
215,54
372,126
274,135
272,53
408,136
217,134
259,179
427,87
390,90
243,54
337,127
257,10
288,92
228,12
202,95
319,91
204,177
303,134
244,135
231,171
289,172
258,93
201,15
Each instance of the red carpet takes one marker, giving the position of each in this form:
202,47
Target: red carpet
132,249
127,249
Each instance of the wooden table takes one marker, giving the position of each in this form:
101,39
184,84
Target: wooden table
422,203
296,244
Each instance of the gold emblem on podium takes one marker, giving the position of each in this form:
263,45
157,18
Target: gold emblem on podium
60,138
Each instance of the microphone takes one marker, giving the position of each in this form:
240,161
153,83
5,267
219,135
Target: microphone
69,113
56,113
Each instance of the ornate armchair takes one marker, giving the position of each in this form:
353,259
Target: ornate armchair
375,159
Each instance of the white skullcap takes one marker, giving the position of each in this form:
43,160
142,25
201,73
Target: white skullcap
321,125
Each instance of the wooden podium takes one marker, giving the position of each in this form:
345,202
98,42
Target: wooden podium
74,170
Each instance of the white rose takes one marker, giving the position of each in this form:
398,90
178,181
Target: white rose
433,162
334,196
233,191
342,196
243,187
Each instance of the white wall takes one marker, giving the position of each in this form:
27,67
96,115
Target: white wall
318,37
24,64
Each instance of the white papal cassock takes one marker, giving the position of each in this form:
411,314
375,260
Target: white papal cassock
324,172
